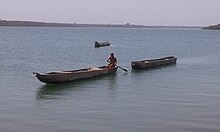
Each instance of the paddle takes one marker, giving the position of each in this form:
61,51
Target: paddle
123,68
120,67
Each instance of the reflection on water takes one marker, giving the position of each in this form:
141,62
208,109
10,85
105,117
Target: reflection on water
112,85
56,91
155,68
53,91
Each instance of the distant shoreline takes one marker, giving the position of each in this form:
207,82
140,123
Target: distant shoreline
45,24
213,27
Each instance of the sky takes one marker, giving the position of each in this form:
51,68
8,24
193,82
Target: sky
140,12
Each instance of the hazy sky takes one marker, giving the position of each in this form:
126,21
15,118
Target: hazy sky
145,12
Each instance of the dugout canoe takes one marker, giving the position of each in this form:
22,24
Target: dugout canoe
152,63
101,43
69,76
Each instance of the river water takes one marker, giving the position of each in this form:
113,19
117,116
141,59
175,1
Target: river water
181,97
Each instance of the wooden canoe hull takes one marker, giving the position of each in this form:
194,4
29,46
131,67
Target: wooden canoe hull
147,64
101,44
69,76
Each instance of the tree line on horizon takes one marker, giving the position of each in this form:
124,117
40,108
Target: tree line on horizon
127,25
45,24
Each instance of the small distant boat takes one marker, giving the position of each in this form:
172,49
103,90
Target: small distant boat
102,43
147,64
69,76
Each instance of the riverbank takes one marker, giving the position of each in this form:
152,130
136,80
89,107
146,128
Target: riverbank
45,24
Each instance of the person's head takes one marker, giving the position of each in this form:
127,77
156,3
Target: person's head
112,54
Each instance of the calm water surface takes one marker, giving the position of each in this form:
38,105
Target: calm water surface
177,98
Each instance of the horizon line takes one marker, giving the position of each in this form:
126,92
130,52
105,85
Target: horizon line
96,24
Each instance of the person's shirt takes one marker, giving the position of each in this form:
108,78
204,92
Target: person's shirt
112,59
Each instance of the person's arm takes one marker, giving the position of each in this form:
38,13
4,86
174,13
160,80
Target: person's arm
108,60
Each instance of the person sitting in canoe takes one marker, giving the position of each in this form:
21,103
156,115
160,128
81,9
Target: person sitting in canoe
112,61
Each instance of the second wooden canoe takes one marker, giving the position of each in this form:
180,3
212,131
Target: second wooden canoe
152,63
